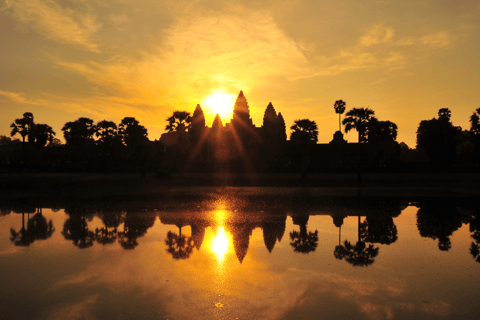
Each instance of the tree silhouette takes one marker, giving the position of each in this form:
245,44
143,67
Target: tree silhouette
180,121
444,114
436,137
358,119
41,134
358,255
381,131
107,133
475,122
79,132
23,237
178,125
39,228
76,229
439,221
379,229
339,107
108,233
304,132
179,246
475,230
23,126
303,241
132,132
136,225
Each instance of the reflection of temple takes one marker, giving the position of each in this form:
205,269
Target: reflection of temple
240,227
273,230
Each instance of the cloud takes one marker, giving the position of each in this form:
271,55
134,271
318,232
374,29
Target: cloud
198,53
437,40
377,34
16,97
71,25
13,96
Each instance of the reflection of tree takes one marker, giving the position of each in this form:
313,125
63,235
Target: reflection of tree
378,229
21,238
179,246
303,241
37,229
439,221
76,229
475,230
136,225
108,233
358,254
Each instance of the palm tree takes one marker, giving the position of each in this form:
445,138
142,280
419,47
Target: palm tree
23,126
339,107
179,122
179,246
304,241
358,254
358,119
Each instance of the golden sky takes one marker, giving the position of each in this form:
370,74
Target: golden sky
65,59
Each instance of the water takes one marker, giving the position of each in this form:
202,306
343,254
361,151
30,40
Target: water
240,258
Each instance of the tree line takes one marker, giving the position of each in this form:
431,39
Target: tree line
188,144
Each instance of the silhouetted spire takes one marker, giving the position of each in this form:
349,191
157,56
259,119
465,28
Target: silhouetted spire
198,234
241,111
197,126
269,117
282,129
217,123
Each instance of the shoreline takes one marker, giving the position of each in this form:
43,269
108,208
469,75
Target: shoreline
97,186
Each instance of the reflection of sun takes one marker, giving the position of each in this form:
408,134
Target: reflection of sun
221,103
220,243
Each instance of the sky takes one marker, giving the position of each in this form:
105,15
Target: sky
406,59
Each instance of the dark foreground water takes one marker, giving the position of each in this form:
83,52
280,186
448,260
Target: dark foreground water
228,257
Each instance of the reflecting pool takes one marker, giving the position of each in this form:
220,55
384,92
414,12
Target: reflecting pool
217,257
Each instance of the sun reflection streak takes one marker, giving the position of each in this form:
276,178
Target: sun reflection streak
220,244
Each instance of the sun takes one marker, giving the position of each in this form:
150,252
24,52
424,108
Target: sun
220,102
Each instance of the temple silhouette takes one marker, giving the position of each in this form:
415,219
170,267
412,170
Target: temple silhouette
240,146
